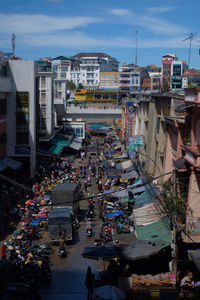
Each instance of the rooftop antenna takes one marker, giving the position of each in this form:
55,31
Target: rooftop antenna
136,32
13,44
190,37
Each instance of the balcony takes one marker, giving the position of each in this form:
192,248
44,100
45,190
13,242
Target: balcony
192,155
5,85
124,84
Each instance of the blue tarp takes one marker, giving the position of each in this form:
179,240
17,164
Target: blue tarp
115,214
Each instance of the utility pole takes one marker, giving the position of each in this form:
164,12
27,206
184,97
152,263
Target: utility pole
174,232
13,45
136,32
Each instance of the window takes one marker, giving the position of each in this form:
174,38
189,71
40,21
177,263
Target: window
2,107
43,95
43,80
59,95
3,138
22,118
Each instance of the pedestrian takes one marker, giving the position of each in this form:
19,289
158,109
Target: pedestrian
3,251
89,283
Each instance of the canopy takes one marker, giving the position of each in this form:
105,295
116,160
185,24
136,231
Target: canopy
157,231
140,249
129,175
75,145
124,193
11,163
106,251
58,143
148,214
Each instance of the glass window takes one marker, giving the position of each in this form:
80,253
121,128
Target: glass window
2,107
22,118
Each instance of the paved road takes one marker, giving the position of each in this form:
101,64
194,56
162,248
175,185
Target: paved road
68,275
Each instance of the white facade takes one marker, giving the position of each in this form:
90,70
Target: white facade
23,75
129,82
61,68
46,94
91,64
60,91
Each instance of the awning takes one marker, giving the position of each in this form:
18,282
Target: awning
129,175
195,257
75,146
145,198
137,190
158,231
58,143
126,164
180,163
11,163
148,214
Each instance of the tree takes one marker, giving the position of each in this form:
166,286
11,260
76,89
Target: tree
80,86
71,85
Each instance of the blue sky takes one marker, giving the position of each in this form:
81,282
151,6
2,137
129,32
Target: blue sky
66,27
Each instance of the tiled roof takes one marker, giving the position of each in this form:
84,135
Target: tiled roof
91,54
191,72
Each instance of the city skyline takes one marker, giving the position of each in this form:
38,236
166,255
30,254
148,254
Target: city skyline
60,27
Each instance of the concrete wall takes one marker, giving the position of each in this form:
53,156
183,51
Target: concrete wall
23,77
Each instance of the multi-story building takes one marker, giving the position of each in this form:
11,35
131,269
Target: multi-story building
190,78
129,82
5,88
91,64
21,112
109,80
45,98
166,71
177,68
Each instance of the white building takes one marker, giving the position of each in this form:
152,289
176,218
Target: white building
45,98
21,112
129,82
91,64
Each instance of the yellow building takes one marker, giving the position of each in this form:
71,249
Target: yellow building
96,96
109,79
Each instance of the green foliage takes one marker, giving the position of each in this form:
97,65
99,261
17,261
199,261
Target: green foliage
80,86
71,85
175,205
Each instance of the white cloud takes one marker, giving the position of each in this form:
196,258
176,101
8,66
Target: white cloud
152,24
161,9
25,23
120,11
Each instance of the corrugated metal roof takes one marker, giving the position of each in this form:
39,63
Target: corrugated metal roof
158,231
148,196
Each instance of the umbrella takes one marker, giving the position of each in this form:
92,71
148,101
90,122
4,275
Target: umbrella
29,202
109,292
105,251
115,214
46,197
140,249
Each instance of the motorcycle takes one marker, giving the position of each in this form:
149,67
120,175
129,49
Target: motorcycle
62,251
89,232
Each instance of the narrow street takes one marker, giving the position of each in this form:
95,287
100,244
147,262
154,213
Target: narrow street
68,274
